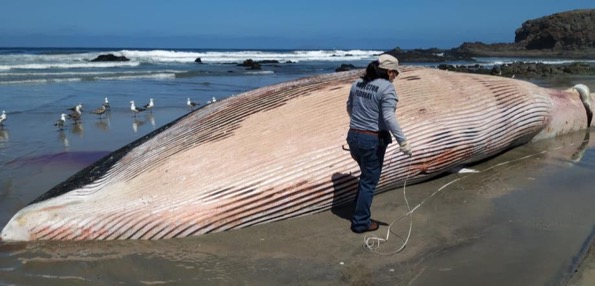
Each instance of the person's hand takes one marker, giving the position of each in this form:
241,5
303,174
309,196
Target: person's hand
406,148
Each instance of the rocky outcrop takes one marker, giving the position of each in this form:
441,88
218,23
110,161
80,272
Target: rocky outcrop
563,35
573,30
257,65
250,64
524,69
568,34
433,55
345,67
110,58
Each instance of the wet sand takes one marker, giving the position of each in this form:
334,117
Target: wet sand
525,219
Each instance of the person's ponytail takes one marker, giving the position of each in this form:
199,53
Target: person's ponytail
373,71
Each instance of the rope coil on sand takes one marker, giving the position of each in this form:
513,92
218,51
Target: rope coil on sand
372,242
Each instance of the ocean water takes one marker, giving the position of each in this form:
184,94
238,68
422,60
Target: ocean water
28,66
37,85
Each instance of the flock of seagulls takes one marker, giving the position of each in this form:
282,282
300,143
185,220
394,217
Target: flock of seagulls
76,112
193,104
136,110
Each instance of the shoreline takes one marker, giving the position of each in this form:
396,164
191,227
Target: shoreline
526,70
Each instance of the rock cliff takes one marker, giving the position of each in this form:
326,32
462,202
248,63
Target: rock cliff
573,30
568,34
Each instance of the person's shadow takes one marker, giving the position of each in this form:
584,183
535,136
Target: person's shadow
344,192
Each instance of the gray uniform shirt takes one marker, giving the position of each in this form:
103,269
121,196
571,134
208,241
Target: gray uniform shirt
372,106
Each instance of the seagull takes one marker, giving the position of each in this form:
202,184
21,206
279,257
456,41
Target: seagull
212,100
2,118
149,106
76,113
191,104
78,107
106,104
135,109
61,121
99,111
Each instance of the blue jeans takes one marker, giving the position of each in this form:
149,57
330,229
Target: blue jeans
368,151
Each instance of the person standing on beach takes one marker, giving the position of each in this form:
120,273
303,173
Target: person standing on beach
371,107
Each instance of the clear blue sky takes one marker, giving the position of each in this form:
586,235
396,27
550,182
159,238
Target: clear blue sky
296,24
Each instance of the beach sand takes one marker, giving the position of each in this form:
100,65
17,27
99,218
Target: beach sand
525,219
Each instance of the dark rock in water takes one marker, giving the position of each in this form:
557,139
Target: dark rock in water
264,62
256,65
432,55
345,67
252,65
198,60
110,58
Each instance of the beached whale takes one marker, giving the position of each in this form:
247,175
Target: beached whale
279,152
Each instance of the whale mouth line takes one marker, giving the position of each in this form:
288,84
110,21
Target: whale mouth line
585,96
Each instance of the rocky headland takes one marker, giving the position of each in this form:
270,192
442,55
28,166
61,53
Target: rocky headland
563,35
567,35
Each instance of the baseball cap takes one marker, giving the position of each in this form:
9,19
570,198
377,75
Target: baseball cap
388,62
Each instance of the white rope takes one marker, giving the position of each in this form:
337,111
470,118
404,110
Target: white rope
372,242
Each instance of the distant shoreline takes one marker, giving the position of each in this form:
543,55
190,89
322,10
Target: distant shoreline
462,52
